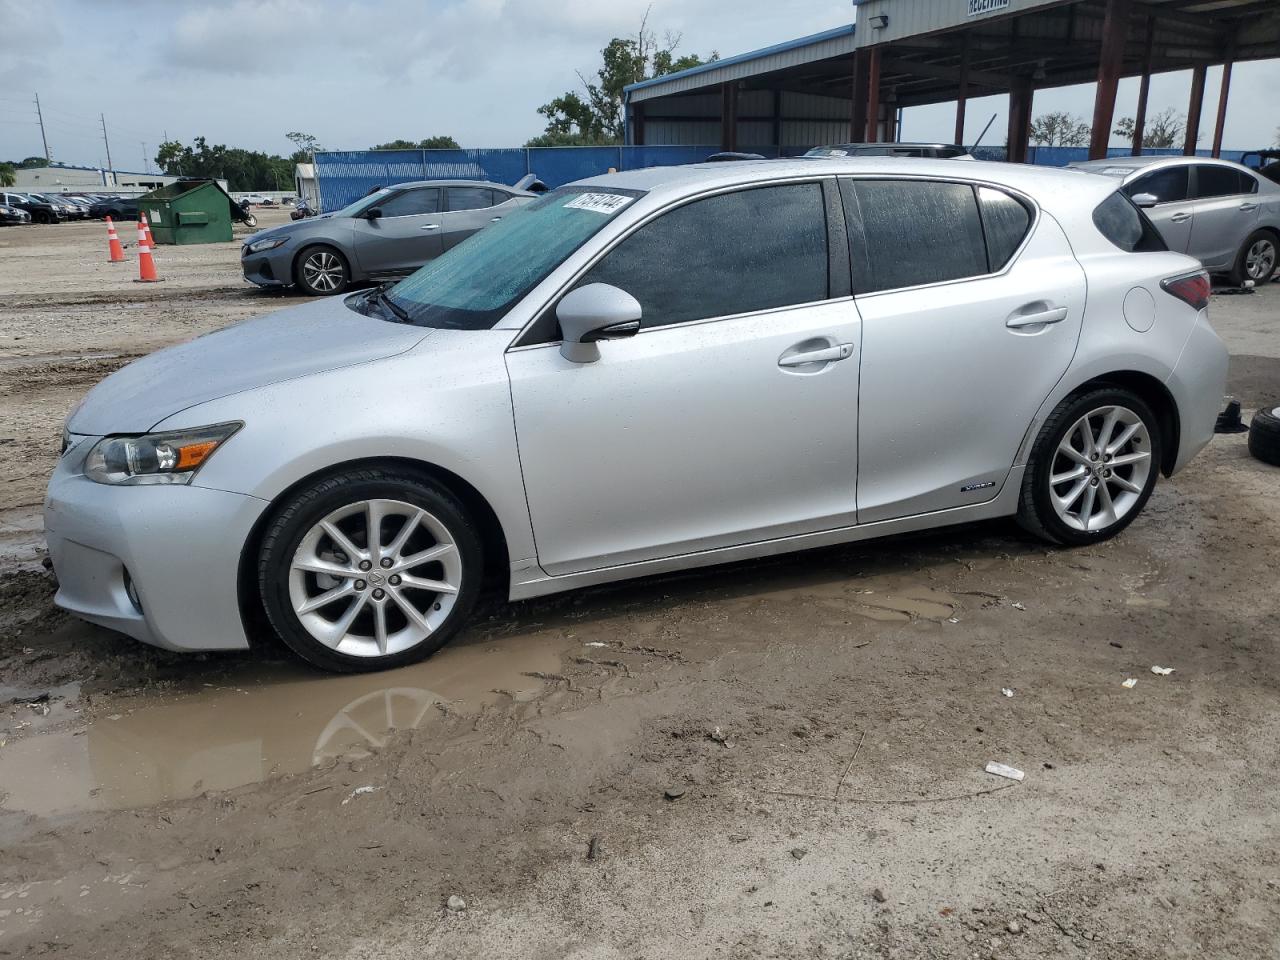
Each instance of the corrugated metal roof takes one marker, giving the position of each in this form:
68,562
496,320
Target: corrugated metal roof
819,46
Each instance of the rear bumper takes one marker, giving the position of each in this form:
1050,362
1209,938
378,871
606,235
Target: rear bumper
177,548
1197,383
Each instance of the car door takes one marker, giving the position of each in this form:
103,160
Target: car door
730,418
469,209
971,307
1174,211
404,237
1226,212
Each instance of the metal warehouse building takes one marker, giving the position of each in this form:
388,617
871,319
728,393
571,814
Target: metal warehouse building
847,84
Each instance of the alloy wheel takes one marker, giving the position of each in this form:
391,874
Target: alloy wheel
1260,261
322,271
375,577
1100,469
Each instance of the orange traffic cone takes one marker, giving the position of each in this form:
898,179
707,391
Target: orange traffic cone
142,218
113,244
146,265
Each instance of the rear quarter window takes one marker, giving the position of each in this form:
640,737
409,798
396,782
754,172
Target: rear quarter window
1126,226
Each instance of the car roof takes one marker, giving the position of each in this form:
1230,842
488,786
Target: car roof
863,145
1142,163
455,183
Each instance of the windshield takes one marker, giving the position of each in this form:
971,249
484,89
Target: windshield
471,286
351,209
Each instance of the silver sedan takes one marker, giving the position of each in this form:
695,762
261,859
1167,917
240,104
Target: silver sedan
639,373
1221,213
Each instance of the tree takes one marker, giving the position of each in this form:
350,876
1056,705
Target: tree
595,116
305,146
7,175
429,143
1059,129
31,162
1166,129
242,169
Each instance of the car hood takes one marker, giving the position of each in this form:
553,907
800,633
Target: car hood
317,336
286,229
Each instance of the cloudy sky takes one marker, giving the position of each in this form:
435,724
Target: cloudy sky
358,72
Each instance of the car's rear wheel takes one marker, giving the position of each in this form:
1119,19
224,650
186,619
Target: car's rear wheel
369,569
1257,259
322,271
1092,467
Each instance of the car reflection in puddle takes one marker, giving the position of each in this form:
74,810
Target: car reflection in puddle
228,736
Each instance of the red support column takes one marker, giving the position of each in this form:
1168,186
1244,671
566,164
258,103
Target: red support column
1115,31
1021,94
873,96
1223,94
729,116
1194,108
858,94
963,91
1144,89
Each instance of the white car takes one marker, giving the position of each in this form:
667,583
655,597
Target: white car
643,372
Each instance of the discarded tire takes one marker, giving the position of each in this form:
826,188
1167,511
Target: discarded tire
1264,435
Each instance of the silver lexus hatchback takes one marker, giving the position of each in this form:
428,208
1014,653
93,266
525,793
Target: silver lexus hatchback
638,373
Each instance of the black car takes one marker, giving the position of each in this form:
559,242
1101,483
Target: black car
117,208
942,151
12,216
1266,162
41,210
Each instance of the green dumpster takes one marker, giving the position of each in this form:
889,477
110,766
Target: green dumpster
189,211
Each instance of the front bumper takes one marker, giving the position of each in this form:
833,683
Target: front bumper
1198,382
177,546
272,268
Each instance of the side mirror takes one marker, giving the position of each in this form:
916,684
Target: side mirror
1145,200
373,213
595,312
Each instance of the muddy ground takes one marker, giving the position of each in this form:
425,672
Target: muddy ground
776,759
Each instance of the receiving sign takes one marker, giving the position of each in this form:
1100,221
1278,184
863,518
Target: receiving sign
979,7
598,202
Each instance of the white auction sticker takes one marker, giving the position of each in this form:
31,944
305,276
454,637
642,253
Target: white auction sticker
598,202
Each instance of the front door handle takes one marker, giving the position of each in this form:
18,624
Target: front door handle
1039,318
840,351
432,226
1248,207
1180,218
494,219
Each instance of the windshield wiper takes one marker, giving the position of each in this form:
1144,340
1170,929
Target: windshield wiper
380,295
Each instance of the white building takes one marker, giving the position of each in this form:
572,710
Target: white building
66,178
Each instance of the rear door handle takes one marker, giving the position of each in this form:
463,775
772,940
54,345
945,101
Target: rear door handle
1052,315
841,351
1180,218
432,226
494,219
1248,207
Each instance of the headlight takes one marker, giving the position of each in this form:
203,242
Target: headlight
268,244
155,457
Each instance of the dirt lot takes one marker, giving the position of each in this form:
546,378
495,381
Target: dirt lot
776,759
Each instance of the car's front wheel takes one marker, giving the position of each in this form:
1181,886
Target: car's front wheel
1092,467
322,271
369,569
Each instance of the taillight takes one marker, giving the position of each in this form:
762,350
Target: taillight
1190,288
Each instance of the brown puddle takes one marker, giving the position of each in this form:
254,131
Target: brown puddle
228,736
877,598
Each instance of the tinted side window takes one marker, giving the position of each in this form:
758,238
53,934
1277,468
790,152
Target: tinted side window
1248,183
500,196
470,198
1126,226
1167,186
1005,222
1217,181
412,202
917,232
734,253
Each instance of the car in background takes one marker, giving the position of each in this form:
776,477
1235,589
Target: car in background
1265,162
939,151
117,208
69,210
41,210
640,373
83,204
389,233
1219,212
256,199
12,216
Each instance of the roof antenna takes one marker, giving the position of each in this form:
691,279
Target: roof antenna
983,133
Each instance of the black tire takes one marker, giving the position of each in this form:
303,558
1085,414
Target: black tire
41,217
1264,435
316,258
250,220
295,518
1036,511
1267,247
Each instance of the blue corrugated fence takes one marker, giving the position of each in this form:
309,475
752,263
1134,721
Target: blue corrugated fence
346,176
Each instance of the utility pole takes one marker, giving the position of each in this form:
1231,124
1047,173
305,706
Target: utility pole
146,164
40,117
110,169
